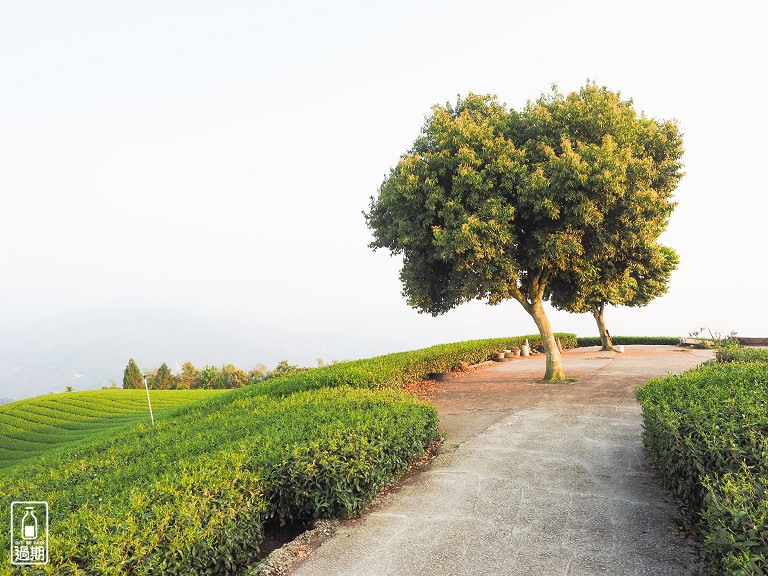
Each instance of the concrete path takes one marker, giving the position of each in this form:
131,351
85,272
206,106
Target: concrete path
533,479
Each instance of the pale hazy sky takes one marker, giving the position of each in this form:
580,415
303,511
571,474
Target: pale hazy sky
217,156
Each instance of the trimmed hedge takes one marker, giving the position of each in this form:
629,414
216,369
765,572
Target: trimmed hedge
626,340
191,495
706,431
394,370
742,355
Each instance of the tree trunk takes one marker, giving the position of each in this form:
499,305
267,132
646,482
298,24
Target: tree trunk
605,337
555,370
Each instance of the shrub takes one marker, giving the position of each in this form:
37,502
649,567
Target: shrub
191,494
394,370
625,340
735,515
742,355
706,431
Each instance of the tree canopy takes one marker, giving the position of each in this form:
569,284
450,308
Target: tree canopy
163,378
494,204
132,377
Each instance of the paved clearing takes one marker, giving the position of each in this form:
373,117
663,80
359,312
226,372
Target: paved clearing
533,479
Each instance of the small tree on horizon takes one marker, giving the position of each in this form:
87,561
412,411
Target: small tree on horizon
209,378
163,378
493,204
189,378
132,378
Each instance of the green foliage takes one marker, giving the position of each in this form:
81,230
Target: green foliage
132,377
191,494
493,204
229,376
189,379
232,377
163,378
706,431
283,368
706,338
29,429
392,370
631,279
339,473
735,513
625,340
209,378
730,354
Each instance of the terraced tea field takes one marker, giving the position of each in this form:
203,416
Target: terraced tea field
30,428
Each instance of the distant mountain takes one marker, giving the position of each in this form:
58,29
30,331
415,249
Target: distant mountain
90,348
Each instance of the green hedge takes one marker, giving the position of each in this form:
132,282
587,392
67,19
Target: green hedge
626,340
742,355
393,370
706,431
191,494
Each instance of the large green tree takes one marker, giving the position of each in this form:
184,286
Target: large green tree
132,377
493,204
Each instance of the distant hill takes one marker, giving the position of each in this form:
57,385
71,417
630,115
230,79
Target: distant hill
89,349
33,427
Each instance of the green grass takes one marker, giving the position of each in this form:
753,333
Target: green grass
30,429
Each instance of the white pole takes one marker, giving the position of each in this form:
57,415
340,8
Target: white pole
148,401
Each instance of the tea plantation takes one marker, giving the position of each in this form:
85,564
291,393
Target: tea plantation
192,494
32,428
706,431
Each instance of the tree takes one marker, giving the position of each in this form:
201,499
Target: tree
632,280
233,377
189,378
493,204
210,378
163,377
282,369
132,377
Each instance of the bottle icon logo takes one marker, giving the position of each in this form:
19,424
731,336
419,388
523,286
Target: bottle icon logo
29,533
29,524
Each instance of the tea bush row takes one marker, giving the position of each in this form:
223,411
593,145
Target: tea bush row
30,428
626,340
706,431
394,370
191,494
742,355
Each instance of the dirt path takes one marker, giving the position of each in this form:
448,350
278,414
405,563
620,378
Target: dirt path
533,479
